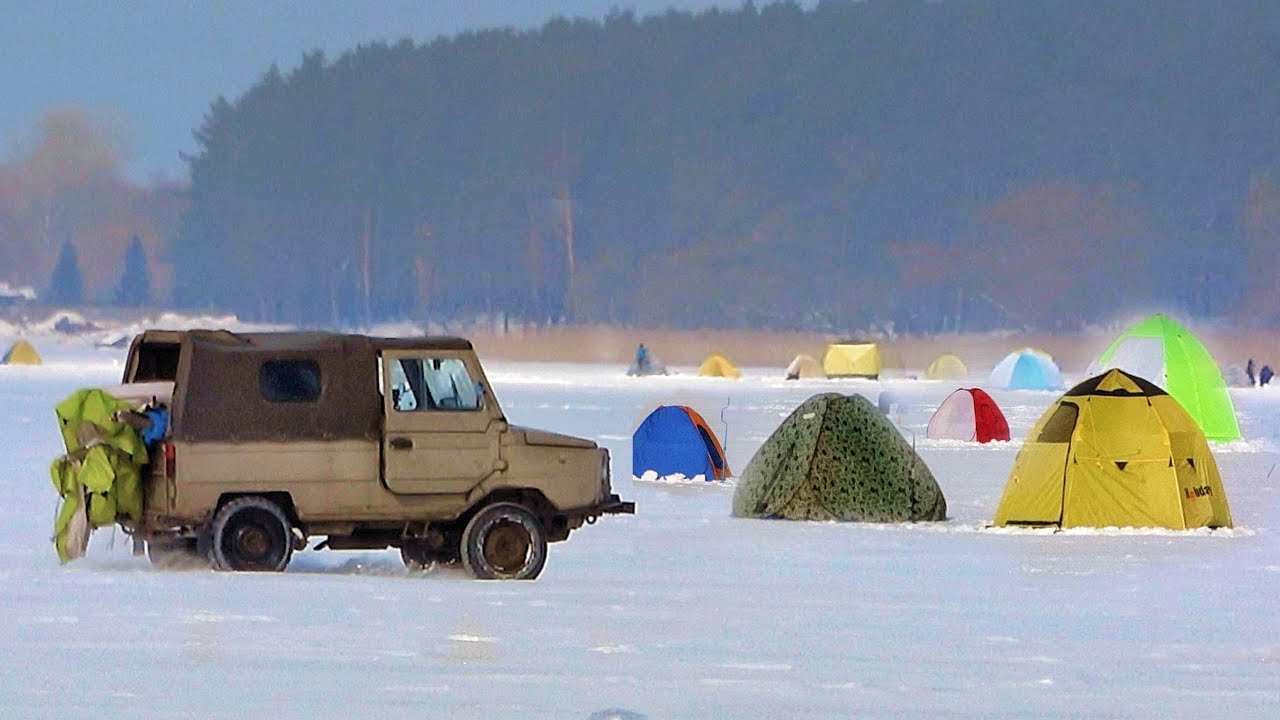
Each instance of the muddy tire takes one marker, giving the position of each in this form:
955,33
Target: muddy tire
251,534
504,541
175,554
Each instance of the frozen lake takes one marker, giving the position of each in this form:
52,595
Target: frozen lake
680,611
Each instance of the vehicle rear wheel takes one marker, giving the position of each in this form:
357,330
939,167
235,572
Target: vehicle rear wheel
251,534
175,554
504,541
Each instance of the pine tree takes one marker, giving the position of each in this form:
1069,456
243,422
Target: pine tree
66,287
134,289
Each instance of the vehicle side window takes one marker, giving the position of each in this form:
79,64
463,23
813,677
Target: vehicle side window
429,383
289,380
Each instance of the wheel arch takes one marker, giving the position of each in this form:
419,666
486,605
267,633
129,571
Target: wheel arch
280,497
554,522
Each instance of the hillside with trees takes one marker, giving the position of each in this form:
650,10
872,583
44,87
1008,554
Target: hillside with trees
74,229
927,166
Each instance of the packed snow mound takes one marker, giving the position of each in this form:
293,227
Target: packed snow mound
108,330
16,293
651,476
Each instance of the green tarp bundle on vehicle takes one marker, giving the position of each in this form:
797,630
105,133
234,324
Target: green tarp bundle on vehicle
836,457
100,477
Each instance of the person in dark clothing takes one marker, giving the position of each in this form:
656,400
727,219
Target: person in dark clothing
1248,370
1265,375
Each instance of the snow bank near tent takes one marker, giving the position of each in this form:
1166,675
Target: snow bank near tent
64,335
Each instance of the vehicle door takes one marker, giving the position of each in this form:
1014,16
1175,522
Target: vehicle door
442,429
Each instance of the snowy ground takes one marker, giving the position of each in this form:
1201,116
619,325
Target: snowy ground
680,611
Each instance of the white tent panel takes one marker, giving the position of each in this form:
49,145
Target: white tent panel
1141,356
955,418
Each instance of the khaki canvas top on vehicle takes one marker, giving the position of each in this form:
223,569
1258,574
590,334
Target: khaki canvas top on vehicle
219,383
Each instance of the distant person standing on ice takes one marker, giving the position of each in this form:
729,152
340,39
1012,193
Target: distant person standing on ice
1265,375
642,357
1248,370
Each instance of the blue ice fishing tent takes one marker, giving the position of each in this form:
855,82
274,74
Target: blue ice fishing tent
1027,369
675,440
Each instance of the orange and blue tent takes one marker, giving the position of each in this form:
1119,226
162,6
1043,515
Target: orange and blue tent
675,440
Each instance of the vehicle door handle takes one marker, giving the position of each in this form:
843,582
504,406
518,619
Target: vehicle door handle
401,443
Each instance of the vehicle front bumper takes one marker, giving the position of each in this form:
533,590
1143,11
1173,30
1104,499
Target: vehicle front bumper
614,505
610,505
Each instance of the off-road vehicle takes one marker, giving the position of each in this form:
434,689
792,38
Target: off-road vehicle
276,438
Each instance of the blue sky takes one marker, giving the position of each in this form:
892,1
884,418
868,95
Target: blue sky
151,67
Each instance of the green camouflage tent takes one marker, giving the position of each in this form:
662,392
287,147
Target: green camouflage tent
99,478
838,458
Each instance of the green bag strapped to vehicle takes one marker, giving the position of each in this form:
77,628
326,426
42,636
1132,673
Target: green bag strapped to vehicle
100,477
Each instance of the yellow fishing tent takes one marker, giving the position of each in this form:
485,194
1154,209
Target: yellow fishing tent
852,359
719,366
1118,451
947,367
22,353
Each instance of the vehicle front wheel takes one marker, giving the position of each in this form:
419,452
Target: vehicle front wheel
251,534
504,541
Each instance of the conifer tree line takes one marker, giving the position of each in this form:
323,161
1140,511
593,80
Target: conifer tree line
926,165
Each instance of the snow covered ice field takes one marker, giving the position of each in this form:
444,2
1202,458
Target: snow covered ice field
680,611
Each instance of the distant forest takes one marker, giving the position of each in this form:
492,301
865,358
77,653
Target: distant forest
920,166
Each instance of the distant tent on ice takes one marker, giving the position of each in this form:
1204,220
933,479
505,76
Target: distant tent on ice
968,414
1027,369
1235,376
22,353
676,440
947,367
717,365
804,367
1171,356
836,457
852,359
652,366
1115,451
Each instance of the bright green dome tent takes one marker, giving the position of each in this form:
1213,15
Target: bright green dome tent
1161,350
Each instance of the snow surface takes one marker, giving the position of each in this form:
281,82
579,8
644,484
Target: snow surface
680,611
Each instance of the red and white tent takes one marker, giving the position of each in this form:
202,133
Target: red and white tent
968,414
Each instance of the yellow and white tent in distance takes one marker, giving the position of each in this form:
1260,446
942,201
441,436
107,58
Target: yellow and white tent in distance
803,367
